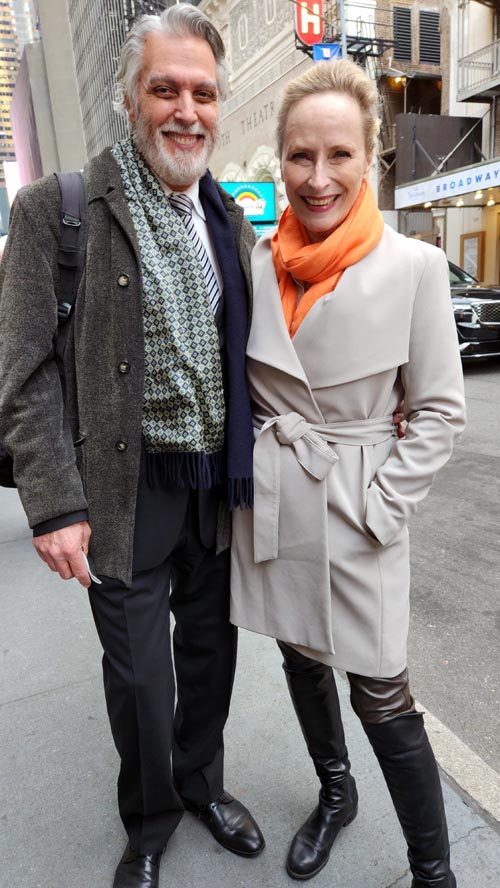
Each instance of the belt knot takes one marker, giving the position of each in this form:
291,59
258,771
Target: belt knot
290,427
310,445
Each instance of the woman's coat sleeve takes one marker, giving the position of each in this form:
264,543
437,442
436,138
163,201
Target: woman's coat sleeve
434,405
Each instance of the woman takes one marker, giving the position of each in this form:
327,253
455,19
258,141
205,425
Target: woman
349,317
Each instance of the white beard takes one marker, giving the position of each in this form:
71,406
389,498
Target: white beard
176,168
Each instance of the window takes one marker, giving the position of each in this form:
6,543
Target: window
429,38
401,23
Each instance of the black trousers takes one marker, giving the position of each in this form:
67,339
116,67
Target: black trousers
168,748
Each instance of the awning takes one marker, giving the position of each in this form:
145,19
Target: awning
445,189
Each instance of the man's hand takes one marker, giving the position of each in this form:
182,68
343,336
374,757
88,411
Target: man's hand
62,551
398,419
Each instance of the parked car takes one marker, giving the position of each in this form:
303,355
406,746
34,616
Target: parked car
477,315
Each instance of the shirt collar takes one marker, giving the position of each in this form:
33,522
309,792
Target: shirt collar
193,192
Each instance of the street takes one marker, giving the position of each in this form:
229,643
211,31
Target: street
59,824
454,652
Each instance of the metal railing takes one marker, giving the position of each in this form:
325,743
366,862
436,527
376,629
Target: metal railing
479,70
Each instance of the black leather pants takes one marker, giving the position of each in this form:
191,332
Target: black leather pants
374,700
378,700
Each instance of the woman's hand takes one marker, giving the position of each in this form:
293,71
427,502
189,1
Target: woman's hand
398,419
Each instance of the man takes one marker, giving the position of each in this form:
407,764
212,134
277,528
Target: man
154,431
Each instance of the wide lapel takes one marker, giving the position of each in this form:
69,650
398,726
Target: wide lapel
269,341
362,327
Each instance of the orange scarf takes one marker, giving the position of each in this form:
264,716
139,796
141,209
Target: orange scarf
321,264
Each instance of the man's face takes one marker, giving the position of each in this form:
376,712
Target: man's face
175,116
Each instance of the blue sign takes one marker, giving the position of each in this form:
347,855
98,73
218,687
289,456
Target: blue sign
322,52
257,199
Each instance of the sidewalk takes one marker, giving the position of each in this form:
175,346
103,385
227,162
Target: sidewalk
59,823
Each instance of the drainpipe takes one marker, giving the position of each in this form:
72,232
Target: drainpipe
493,126
342,28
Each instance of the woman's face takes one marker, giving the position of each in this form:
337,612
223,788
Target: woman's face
324,160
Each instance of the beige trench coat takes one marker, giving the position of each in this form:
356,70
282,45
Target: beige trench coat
323,561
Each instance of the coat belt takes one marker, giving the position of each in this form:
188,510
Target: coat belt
310,445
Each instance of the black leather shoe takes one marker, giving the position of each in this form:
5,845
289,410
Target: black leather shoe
138,870
231,825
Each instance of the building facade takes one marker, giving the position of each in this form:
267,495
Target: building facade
262,57
460,197
25,22
62,109
9,63
98,29
397,43
8,71
437,67
436,63
473,207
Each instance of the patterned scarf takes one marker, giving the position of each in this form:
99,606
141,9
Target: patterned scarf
183,408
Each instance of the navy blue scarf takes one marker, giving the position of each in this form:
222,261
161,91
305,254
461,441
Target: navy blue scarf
239,429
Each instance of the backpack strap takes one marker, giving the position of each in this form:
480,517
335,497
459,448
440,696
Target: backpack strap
70,258
72,249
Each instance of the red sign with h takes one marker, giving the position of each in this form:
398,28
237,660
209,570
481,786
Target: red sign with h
309,24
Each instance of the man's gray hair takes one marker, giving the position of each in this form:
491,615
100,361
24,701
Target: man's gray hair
180,21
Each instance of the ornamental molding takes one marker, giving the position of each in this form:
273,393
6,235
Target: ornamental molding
213,7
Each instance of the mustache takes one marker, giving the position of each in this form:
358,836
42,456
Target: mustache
195,129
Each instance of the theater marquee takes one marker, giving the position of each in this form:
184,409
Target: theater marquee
455,184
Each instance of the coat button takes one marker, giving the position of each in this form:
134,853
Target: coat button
124,366
121,446
123,280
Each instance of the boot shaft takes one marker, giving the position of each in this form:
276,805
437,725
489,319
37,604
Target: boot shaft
412,777
314,695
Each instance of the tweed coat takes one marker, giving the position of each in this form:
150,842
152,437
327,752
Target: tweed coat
70,461
323,563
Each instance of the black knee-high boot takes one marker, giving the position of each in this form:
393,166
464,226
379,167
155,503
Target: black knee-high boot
410,770
314,695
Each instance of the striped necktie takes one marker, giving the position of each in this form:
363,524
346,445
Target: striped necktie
184,208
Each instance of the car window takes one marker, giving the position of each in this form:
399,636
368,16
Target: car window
459,276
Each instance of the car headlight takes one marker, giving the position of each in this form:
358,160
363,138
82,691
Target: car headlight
465,314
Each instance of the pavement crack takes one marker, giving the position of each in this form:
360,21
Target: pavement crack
70,684
466,836
407,872
14,540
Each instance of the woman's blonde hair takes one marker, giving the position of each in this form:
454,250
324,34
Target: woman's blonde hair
340,76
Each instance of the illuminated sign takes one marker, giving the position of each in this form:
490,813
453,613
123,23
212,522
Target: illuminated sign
451,185
309,24
256,199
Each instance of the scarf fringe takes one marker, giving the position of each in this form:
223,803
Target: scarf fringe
200,471
240,493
